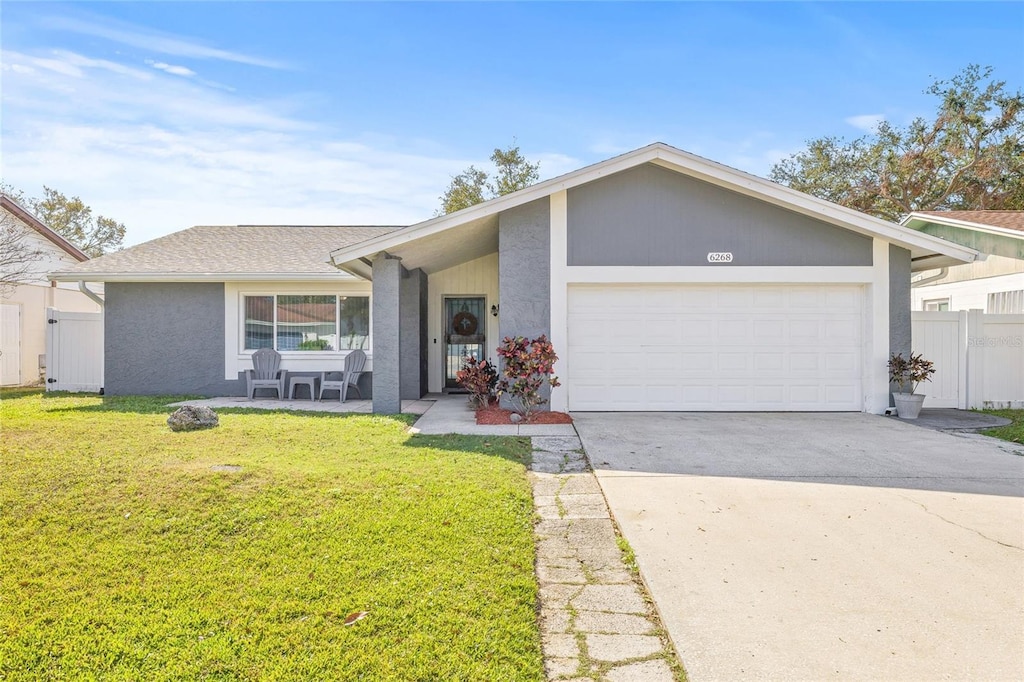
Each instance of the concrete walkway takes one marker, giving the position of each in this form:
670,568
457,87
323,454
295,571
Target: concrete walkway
821,546
451,413
595,622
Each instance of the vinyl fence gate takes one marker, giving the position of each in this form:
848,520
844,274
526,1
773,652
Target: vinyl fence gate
979,358
74,351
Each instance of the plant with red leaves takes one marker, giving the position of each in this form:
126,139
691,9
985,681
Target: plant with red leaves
479,377
528,366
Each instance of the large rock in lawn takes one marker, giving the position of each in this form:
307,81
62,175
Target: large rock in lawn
192,418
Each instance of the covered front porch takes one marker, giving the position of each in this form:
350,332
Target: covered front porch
444,295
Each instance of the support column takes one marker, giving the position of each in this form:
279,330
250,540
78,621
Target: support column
387,284
413,311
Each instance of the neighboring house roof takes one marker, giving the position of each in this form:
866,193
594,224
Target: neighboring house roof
1007,220
999,233
228,252
479,222
26,216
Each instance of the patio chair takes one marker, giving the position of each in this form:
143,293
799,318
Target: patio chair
354,363
266,372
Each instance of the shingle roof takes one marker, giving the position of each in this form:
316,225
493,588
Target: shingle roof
234,250
1008,220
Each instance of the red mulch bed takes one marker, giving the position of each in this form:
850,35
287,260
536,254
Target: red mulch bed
496,415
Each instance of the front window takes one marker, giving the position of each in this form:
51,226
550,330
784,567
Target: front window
300,322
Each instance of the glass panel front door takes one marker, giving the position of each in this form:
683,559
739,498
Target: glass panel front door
464,334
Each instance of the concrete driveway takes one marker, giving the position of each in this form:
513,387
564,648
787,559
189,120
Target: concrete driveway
821,546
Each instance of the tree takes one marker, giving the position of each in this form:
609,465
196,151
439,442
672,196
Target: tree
18,253
473,186
74,221
970,157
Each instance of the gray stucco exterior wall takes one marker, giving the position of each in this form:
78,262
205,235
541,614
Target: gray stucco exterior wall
652,216
524,271
899,300
413,331
387,282
165,338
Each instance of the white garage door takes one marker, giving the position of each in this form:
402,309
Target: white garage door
715,347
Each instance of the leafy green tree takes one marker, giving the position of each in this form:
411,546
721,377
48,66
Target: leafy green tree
969,157
472,186
74,221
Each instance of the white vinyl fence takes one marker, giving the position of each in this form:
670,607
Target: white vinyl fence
979,358
74,351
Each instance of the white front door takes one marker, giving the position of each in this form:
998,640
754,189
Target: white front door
10,345
681,347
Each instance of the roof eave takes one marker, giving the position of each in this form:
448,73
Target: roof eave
923,219
64,276
33,222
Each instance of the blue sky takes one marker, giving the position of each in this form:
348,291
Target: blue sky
165,115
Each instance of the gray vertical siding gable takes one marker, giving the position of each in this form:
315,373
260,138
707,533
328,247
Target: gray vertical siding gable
652,216
165,339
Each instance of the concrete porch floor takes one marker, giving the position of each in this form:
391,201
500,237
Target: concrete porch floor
306,405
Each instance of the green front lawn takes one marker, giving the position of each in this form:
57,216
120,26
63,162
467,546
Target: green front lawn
125,555
1013,432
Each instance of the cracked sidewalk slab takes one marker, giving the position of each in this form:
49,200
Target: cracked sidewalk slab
596,623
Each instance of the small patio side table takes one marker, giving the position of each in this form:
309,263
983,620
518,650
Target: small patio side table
302,381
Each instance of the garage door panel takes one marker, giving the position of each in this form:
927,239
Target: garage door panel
742,347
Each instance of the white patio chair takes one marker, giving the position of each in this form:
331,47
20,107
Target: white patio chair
354,363
266,372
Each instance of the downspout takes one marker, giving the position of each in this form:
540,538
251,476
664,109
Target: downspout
928,280
91,294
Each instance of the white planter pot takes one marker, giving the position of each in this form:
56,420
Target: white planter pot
908,405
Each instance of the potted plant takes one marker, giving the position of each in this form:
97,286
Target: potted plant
904,373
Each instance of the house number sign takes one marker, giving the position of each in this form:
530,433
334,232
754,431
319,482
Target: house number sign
720,257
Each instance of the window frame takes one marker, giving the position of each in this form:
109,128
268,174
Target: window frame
936,302
338,295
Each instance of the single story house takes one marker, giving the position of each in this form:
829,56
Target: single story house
23,320
995,284
664,280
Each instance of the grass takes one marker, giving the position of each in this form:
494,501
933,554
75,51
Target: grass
124,555
1013,432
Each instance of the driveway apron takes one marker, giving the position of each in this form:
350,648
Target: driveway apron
821,546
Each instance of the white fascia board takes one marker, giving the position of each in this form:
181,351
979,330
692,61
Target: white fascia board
199,277
683,162
952,222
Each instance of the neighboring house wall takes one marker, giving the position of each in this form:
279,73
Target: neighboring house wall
478,277
34,296
992,266
166,338
967,287
32,302
651,216
966,295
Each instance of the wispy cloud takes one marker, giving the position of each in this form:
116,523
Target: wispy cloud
163,43
171,68
161,152
866,122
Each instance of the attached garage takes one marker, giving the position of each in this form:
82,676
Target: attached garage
673,347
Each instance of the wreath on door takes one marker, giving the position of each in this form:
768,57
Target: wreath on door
464,323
